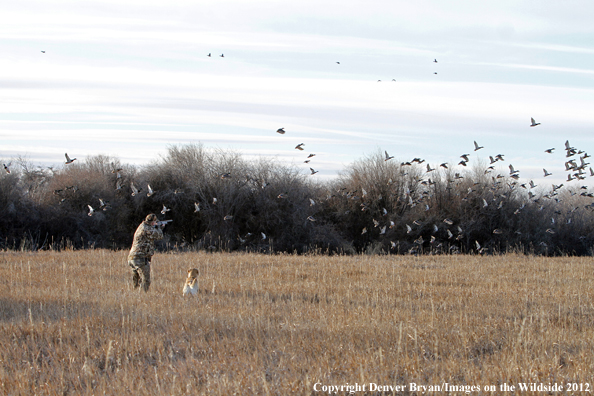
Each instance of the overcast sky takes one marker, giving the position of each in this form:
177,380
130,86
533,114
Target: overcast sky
127,78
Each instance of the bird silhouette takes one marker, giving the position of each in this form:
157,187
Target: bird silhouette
135,190
68,159
546,173
299,146
479,248
103,204
313,172
476,146
281,131
549,151
388,157
568,146
91,210
533,123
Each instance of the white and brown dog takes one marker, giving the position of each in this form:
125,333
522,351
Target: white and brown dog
191,285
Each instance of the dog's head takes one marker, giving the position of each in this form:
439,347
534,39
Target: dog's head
193,273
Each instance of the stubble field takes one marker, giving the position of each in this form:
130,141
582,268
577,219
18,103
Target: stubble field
288,324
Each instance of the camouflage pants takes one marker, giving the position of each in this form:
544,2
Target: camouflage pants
141,273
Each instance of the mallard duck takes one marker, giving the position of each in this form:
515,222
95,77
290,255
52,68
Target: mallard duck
135,190
68,159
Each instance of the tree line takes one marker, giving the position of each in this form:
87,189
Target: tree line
218,200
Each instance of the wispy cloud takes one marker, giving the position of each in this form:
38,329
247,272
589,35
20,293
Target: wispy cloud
539,67
130,82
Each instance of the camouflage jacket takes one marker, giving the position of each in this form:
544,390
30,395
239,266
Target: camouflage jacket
144,237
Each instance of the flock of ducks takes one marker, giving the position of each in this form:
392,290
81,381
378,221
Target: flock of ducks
577,171
576,166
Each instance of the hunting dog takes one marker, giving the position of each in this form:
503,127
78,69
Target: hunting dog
191,285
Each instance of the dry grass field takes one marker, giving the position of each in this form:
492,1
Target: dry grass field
288,324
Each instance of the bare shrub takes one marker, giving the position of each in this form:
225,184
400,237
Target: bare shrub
220,201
